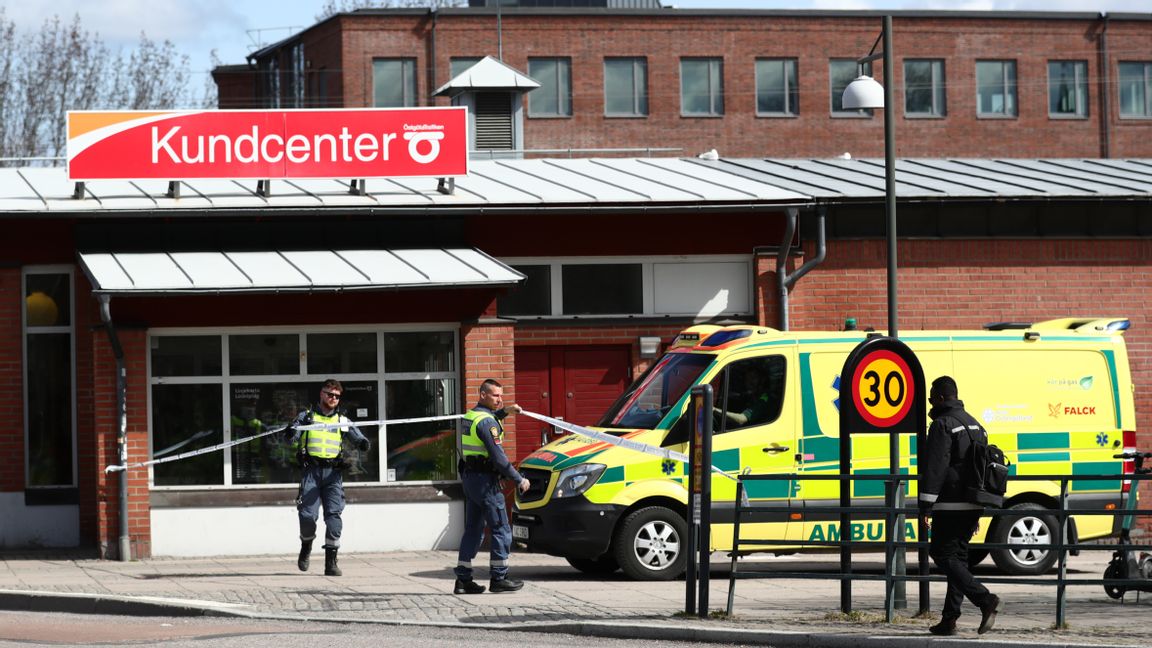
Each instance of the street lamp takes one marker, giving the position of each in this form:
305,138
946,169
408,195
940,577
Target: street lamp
865,92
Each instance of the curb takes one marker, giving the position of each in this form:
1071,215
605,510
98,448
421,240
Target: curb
34,601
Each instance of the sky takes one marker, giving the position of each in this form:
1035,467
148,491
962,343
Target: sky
233,28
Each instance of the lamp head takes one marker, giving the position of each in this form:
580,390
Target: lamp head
864,92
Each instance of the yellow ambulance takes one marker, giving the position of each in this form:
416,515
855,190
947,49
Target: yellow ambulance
1056,396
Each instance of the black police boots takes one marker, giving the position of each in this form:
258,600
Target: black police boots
505,585
330,566
305,555
467,587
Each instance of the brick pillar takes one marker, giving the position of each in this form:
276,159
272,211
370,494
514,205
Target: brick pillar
106,428
487,347
12,381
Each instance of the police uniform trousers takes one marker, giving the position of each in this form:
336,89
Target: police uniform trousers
484,506
321,485
951,532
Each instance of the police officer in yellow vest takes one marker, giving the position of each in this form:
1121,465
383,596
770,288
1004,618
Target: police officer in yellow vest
482,466
322,479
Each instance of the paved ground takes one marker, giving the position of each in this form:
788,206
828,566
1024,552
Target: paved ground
415,587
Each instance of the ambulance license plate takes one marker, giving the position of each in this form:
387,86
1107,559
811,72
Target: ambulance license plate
519,532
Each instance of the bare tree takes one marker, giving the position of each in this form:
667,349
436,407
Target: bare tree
333,7
62,67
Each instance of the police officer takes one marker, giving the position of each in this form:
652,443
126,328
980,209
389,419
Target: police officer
482,466
942,496
322,478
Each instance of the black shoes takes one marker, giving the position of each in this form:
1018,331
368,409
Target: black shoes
331,564
988,613
467,587
505,585
305,555
946,628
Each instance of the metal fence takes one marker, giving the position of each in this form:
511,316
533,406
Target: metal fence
894,515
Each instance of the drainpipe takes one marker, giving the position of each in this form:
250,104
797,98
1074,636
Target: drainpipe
1105,91
432,58
785,281
125,549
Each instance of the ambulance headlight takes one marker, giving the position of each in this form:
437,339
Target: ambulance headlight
577,479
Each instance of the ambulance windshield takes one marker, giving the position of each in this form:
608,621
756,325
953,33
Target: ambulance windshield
657,391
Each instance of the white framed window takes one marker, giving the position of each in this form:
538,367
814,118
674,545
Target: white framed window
841,72
701,287
554,96
777,90
626,86
1068,89
996,89
924,94
208,387
49,377
394,82
702,87
1135,89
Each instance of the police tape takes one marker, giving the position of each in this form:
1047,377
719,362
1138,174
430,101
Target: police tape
276,429
620,441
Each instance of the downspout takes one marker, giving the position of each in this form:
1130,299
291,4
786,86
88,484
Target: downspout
1105,92
785,281
432,58
125,549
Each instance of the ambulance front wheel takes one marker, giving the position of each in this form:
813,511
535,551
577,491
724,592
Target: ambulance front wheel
1024,531
651,544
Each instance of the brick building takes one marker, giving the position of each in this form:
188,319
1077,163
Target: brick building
746,83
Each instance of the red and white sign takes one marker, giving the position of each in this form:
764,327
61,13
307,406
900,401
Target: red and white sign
265,144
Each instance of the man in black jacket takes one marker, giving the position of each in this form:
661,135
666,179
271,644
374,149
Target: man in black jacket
954,519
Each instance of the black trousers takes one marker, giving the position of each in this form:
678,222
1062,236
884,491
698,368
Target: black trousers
951,532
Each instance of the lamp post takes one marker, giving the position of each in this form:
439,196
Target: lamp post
865,92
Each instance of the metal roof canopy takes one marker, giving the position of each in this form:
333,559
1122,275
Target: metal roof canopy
164,273
599,184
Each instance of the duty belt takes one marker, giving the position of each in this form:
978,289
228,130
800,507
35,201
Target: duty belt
476,463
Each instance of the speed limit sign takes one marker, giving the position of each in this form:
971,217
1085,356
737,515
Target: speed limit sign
884,382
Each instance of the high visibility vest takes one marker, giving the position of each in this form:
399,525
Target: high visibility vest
470,443
325,443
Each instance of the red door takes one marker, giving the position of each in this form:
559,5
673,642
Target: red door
574,383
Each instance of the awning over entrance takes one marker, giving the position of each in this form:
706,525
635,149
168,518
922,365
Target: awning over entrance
157,273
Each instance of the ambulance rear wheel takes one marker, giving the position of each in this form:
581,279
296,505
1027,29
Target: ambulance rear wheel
1023,531
601,566
651,544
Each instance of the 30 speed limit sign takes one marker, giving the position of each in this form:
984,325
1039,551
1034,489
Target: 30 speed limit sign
883,388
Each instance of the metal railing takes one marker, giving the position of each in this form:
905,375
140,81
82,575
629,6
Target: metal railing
1061,545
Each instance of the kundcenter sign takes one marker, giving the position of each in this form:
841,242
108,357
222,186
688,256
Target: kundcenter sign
266,144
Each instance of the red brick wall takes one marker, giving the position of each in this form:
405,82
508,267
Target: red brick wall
812,40
106,426
11,381
487,352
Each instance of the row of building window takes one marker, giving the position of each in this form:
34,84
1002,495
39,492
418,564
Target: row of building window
777,86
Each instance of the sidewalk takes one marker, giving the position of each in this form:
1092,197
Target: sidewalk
415,588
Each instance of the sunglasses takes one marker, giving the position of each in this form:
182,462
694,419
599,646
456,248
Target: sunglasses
331,394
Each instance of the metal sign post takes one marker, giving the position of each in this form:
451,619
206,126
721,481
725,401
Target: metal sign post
699,501
881,391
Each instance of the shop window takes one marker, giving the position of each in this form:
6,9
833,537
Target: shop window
194,404
341,353
49,394
256,355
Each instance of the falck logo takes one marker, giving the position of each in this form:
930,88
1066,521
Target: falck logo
1054,410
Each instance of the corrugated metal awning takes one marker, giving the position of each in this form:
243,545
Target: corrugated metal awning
158,273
